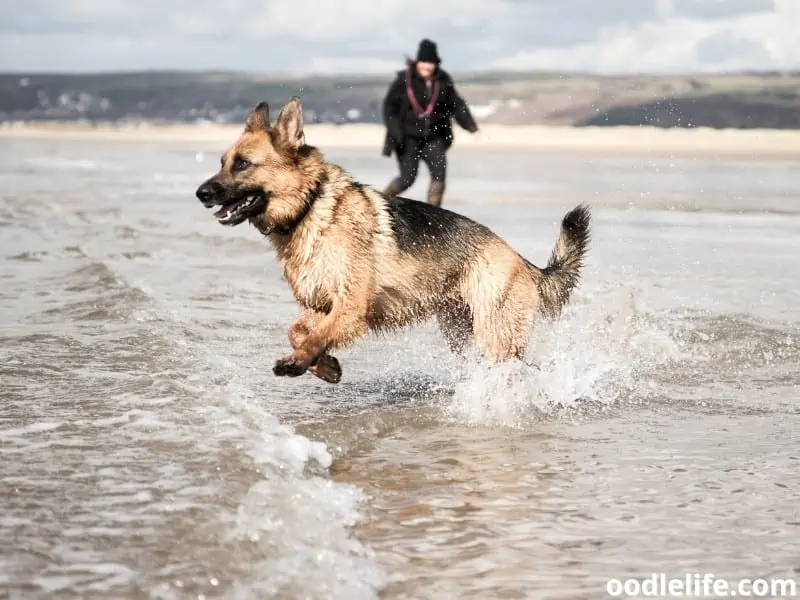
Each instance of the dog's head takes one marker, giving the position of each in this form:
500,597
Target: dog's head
264,175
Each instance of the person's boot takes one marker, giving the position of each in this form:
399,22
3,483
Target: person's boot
435,193
394,188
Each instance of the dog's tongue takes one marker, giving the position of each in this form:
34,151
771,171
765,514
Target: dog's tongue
225,210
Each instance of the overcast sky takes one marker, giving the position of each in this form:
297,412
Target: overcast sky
324,36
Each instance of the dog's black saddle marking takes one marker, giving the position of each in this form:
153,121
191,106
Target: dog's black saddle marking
418,226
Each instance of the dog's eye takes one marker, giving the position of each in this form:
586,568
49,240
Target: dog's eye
240,163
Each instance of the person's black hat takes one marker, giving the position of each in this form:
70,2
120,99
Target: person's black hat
427,52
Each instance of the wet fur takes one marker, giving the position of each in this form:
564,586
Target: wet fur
359,262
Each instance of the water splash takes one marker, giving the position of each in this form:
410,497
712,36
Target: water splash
597,353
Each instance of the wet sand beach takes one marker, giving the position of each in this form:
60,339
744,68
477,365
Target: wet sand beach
147,451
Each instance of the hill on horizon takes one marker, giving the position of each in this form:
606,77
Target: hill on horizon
732,100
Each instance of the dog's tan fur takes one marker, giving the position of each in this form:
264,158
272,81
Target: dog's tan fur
357,262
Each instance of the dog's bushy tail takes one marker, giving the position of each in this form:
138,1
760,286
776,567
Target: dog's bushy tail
563,270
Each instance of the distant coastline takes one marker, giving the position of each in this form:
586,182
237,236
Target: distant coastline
493,138
768,100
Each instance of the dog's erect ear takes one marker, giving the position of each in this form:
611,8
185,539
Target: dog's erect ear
289,124
259,118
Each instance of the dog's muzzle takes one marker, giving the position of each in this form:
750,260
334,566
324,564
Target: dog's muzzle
237,205
207,193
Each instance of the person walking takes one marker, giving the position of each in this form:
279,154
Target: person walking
417,113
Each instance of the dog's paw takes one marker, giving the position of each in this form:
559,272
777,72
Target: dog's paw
289,366
327,368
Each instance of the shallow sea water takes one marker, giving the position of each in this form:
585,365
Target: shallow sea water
147,451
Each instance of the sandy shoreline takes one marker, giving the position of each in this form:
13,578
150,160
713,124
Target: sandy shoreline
730,143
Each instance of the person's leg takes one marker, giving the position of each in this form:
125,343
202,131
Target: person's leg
434,153
408,162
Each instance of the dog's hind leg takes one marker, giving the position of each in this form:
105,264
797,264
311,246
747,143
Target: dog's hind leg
455,323
501,340
501,323
326,367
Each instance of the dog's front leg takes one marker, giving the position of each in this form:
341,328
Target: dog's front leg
327,366
344,324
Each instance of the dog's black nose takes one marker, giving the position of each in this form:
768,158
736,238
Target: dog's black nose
205,194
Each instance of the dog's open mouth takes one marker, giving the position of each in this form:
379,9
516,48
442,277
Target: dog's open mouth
237,212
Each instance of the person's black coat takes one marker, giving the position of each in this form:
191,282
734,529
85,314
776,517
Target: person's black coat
401,123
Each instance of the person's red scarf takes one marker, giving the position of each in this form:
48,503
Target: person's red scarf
419,112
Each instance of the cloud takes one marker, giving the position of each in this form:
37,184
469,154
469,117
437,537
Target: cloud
677,42
710,10
289,36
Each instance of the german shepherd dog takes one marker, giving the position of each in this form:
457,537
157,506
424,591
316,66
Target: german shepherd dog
358,262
